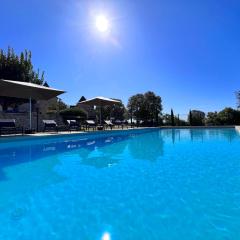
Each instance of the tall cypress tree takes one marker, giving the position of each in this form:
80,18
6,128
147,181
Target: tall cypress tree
172,118
190,118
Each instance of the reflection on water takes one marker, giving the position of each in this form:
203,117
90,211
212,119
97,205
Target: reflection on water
98,152
152,142
89,150
31,167
103,157
107,150
198,135
173,134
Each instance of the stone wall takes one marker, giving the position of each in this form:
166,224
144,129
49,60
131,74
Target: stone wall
22,118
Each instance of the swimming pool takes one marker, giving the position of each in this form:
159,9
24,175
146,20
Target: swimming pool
147,184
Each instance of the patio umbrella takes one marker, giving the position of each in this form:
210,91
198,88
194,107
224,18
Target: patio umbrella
26,90
100,102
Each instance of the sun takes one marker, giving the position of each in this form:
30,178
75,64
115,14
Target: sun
106,236
102,23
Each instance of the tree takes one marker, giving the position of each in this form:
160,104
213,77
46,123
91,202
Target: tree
229,116
136,105
178,120
167,119
118,111
115,112
238,99
212,118
19,68
146,107
182,122
153,105
172,118
73,113
61,105
196,118
190,118
57,105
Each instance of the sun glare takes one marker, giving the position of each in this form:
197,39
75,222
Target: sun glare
106,236
102,23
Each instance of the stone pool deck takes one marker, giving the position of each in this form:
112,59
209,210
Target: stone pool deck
43,134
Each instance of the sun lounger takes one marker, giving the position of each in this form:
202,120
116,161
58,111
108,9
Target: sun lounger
109,124
8,126
50,125
91,124
119,123
73,125
132,123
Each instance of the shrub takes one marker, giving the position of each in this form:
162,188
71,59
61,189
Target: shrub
73,112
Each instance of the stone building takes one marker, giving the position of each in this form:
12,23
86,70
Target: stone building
18,109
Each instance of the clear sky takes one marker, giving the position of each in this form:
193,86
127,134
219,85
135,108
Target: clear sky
186,51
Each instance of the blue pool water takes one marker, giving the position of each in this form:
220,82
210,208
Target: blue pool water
148,184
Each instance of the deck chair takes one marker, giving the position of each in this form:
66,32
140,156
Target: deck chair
109,124
73,125
119,123
8,126
91,124
50,125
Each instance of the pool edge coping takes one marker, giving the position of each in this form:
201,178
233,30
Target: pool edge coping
91,133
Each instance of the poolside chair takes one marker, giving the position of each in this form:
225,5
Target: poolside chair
109,124
73,125
119,123
8,126
141,123
50,125
124,124
132,123
91,124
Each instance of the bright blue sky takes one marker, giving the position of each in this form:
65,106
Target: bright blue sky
185,51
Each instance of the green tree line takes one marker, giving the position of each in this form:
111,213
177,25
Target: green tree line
143,107
19,67
227,116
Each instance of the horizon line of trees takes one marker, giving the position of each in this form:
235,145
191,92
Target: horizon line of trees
142,107
227,116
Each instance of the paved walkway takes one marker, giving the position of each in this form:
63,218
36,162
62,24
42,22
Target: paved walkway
41,134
